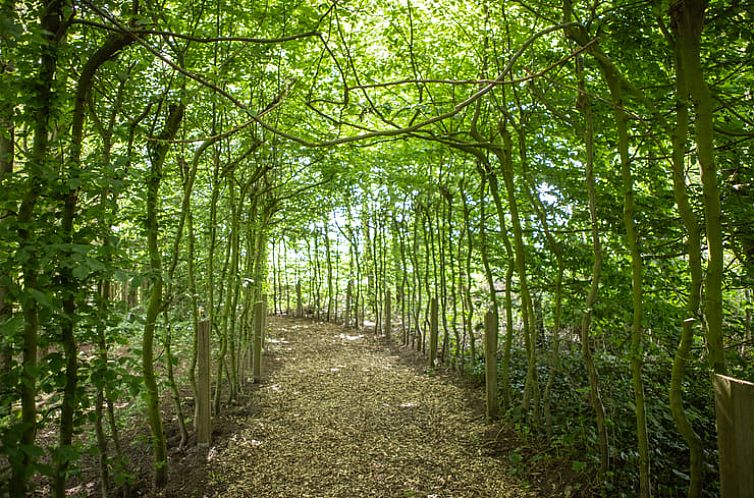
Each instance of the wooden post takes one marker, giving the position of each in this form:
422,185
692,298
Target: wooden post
256,342
433,328
734,407
250,349
388,314
264,320
299,301
349,293
401,299
203,411
490,365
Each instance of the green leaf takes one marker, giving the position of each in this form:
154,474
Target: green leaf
12,327
41,298
81,271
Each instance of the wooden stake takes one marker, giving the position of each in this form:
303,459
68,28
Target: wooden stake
734,407
349,292
433,328
203,411
490,364
256,341
388,314
299,301
264,320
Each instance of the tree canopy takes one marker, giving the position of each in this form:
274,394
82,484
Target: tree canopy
575,175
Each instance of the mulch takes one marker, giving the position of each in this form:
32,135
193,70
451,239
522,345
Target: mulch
340,414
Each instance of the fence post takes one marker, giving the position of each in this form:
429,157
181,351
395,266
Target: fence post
299,301
203,412
388,314
256,342
433,328
349,292
490,365
264,320
734,408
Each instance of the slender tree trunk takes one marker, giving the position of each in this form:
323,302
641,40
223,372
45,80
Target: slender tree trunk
348,304
469,314
555,249
632,244
330,285
222,329
214,199
41,110
508,344
428,281
286,282
491,319
158,155
384,280
278,304
277,280
188,175
194,312
585,106
231,300
693,244
172,385
531,389
453,254
688,22
102,461
337,279
371,265
69,284
416,337
488,173
441,242
317,280
616,85
108,206
7,157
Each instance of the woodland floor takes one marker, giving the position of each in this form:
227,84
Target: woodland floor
340,414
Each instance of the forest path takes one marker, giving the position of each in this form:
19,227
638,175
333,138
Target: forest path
341,416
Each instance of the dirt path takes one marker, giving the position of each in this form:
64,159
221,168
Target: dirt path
340,416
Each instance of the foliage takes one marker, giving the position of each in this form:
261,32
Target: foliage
350,149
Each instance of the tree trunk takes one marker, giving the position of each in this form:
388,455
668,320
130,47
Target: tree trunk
317,280
69,284
555,249
172,385
585,106
688,22
158,155
491,319
531,388
693,244
616,85
632,244
221,366
7,157
52,31
469,311
194,310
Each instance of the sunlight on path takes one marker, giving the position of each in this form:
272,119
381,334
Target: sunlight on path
341,417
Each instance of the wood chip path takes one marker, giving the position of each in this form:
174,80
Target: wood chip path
341,416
